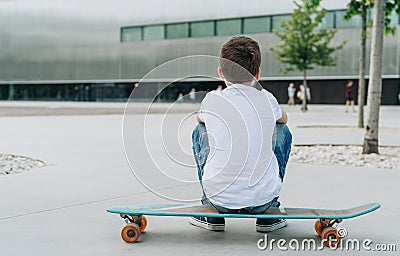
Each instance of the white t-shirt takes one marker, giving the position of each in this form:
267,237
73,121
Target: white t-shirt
241,169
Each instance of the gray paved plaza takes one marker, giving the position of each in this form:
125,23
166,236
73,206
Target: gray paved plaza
60,209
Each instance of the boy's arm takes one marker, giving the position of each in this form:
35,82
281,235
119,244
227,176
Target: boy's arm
198,117
283,119
276,108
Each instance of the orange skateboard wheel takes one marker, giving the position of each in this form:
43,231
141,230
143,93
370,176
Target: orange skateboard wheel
330,237
130,233
318,227
143,224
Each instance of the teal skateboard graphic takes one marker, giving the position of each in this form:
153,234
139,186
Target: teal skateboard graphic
325,226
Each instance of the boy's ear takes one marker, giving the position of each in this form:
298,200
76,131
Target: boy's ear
221,75
257,76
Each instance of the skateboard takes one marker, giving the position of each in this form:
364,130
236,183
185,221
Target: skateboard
325,225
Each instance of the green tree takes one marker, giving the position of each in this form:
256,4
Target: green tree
360,8
381,8
304,45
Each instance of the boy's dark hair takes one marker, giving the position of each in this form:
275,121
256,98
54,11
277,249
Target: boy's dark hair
240,59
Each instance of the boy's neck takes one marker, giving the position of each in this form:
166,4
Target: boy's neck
246,83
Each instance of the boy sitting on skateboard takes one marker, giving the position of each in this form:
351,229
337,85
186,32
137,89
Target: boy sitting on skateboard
241,144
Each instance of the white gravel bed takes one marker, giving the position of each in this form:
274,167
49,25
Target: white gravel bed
388,158
10,164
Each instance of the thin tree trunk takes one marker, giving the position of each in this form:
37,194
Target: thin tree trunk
361,77
304,103
375,81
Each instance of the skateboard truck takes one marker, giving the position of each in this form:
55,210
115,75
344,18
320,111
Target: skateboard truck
132,218
330,222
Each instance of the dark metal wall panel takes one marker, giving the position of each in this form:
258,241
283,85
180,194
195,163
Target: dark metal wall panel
333,91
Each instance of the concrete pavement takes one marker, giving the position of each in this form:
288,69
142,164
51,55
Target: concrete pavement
60,209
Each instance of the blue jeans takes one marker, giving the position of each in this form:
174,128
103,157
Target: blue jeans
281,144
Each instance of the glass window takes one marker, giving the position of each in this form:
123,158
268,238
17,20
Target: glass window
370,13
327,21
256,25
229,27
355,21
131,34
204,28
394,18
276,21
153,32
178,30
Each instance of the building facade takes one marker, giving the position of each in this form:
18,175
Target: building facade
98,54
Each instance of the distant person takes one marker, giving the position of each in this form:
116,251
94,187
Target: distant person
77,94
291,91
180,97
349,96
300,95
192,95
87,88
303,91
219,88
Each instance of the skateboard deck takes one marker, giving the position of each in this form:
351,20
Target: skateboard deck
186,210
325,226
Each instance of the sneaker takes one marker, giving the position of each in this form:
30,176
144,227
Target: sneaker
268,225
213,224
